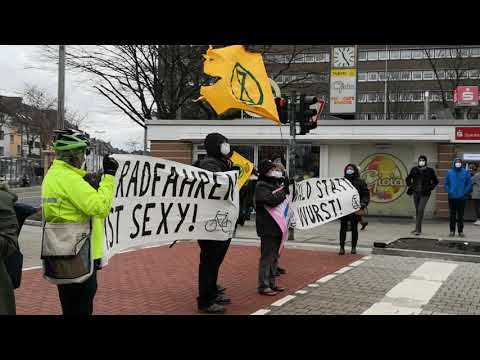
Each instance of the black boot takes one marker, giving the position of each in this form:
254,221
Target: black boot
342,248
354,246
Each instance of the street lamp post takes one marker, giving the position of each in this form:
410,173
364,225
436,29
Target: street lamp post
61,88
385,100
427,104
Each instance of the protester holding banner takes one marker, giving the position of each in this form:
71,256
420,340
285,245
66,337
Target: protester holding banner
352,174
269,193
279,160
8,244
211,296
72,244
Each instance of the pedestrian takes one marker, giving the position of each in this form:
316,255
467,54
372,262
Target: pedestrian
70,207
458,186
476,193
421,181
8,246
279,160
212,297
352,174
270,191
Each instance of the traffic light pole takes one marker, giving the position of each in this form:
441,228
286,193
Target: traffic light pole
292,145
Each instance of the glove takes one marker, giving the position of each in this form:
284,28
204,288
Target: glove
110,165
93,179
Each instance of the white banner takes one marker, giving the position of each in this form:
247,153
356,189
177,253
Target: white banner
158,200
343,91
319,201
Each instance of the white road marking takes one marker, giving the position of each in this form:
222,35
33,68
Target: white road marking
326,278
32,268
283,300
301,292
313,285
410,294
260,312
366,258
356,263
343,270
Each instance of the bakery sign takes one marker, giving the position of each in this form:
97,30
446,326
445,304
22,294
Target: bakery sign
343,91
467,133
466,96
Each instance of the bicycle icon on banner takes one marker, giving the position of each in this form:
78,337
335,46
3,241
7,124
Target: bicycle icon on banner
221,220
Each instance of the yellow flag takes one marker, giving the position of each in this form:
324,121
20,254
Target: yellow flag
243,82
246,168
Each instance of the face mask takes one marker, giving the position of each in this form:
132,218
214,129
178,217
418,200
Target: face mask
225,148
350,172
458,165
421,163
275,174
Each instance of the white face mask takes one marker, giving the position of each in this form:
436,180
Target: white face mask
458,165
225,148
349,171
421,163
275,174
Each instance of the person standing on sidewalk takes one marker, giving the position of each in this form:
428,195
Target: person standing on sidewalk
280,162
421,181
352,174
476,193
8,244
458,186
269,192
70,201
211,298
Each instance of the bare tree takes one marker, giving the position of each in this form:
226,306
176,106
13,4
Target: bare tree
456,66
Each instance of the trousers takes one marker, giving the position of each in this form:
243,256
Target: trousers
77,299
420,202
353,219
457,209
267,269
212,253
477,208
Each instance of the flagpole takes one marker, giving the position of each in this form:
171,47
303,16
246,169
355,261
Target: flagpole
292,143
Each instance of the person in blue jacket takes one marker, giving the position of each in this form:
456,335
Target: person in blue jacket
458,186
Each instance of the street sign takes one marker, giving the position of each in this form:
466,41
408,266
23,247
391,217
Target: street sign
467,133
466,96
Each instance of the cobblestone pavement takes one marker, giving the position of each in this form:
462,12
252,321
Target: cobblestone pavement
389,285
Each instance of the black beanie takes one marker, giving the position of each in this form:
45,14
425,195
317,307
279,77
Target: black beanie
212,144
265,166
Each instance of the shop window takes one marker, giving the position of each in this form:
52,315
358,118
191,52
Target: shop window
416,75
372,55
394,76
406,54
381,76
406,75
307,163
463,74
394,54
309,58
362,56
362,76
372,76
428,75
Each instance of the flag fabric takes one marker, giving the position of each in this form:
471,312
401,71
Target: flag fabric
243,82
246,168
282,215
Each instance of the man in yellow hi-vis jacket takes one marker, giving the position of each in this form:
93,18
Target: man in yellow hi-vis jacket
68,200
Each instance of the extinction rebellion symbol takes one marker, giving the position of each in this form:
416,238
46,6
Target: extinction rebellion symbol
245,87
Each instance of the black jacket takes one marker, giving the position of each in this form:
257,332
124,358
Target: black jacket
359,184
266,225
213,164
429,180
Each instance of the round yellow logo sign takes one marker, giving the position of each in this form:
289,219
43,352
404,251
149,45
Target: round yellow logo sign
385,177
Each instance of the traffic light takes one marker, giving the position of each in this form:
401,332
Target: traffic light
306,114
282,109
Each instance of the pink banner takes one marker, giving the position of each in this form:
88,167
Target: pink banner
281,215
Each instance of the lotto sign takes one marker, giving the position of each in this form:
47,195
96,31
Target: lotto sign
467,133
466,96
343,91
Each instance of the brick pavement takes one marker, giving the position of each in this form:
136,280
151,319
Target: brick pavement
160,280
356,290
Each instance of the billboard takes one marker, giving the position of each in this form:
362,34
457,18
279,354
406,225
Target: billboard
465,96
343,83
467,133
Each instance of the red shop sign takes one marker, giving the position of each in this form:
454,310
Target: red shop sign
467,133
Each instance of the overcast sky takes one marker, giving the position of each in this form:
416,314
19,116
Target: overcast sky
19,65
